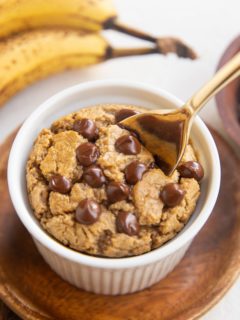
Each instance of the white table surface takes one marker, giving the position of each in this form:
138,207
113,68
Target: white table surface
208,25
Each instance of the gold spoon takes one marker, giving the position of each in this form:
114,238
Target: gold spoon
166,135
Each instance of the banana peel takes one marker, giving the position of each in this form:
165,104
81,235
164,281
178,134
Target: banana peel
24,15
43,37
87,15
33,55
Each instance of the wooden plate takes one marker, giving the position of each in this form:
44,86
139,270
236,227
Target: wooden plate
211,265
228,99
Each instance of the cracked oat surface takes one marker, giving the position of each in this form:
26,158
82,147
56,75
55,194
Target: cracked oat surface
54,152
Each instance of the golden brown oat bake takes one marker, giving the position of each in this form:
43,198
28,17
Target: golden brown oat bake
96,189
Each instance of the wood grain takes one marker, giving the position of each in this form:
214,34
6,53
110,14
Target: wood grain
7,314
228,99
209,268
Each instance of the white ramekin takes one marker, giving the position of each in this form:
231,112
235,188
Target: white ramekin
103,275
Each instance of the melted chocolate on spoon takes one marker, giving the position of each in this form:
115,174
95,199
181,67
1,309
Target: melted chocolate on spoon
159,133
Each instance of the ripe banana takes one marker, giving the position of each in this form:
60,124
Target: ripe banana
23,15
32,55
87,15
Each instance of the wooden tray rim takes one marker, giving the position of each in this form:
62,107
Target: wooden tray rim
8,297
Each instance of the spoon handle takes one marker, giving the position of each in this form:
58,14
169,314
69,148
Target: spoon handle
227,73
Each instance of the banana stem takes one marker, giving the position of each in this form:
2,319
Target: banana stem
124,52
165,44
121,27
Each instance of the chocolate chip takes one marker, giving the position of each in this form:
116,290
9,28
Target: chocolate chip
134,172
124,113
152,165
87,212
128,145
87,128
191,169
172,194
117,191
87,154
94,176
127,223
59,184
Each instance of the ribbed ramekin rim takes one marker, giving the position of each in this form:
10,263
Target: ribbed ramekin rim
109,263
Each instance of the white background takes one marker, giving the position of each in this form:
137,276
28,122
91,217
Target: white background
208,25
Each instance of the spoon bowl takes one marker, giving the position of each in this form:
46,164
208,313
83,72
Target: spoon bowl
166,135
161,134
